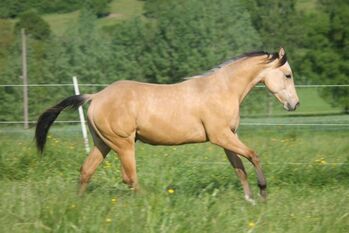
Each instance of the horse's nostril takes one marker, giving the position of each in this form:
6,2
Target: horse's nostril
297,104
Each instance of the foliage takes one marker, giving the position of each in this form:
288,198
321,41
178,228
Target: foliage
34,25
13,8
316,41
6,40
100,8
169,48
328,59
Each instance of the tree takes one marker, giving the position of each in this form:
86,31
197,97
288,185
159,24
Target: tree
14,8
327,60
34,25
194,36
99,7
6,41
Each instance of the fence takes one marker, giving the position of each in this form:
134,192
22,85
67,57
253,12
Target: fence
330,122
315,121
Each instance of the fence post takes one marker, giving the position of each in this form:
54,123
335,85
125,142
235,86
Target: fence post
25,79
82,118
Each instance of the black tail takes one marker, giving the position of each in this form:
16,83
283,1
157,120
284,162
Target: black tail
47,118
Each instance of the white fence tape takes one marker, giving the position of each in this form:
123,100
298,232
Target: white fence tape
104,85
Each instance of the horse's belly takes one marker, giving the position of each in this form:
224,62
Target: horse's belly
172,134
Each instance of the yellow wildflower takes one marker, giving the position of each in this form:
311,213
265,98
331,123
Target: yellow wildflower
108,220
321,161
113,200
251,224
170,190
107,164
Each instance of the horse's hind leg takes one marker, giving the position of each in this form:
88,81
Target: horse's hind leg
127,158
90,165
128,168
236,162
125,148
96,156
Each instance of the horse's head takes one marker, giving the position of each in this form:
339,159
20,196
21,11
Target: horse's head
278,78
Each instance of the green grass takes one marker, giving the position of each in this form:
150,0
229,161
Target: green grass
120,10
311,103
306,5
38,194
59,23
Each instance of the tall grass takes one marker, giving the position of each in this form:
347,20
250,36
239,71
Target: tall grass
307,173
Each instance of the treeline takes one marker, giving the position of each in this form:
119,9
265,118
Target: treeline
176,39
14,8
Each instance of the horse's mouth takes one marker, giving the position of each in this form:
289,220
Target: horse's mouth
290,108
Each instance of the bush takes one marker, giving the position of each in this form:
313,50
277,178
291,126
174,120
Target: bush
34,25
99,7
13,8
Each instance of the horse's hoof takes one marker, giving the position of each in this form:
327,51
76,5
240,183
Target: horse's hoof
263,195
250,200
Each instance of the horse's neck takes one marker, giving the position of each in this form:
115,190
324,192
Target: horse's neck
241,77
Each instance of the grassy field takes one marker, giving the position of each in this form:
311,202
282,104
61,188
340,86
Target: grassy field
120,10
307,171
311,103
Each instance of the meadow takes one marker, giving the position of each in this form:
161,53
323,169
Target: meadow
190,188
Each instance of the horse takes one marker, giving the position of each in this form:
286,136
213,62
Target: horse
199,109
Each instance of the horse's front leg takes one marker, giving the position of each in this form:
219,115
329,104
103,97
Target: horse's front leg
229,141
240,171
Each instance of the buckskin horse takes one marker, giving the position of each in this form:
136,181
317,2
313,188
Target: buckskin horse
200,109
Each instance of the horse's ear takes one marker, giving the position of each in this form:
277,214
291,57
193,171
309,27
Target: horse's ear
281,52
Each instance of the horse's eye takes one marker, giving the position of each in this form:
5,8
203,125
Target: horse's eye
288,76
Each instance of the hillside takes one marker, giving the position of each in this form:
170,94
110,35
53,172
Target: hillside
120,10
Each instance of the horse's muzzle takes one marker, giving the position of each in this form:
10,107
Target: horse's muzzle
292,108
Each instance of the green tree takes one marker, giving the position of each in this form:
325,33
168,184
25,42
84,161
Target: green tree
34,25
100,8
193,36
131,44
14,8
10,106
326,60
6,41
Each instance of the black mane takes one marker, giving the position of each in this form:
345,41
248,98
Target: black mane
270,58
